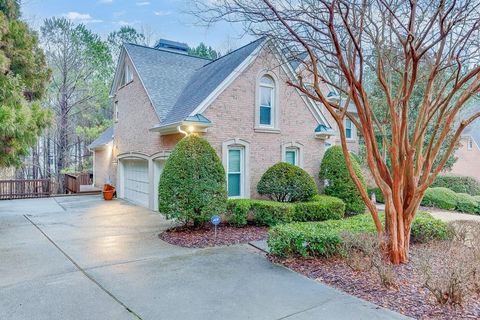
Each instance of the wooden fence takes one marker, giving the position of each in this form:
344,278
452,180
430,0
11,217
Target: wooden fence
22,189
74,182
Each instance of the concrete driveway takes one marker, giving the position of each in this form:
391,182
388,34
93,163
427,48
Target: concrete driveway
83,258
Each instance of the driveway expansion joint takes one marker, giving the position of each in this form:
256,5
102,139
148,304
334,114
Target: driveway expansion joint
82,270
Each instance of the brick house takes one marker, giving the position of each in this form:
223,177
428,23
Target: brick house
239,102
468,153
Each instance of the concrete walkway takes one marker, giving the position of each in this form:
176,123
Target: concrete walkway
83,258
444,215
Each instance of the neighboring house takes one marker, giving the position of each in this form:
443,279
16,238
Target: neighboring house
468,154
240,103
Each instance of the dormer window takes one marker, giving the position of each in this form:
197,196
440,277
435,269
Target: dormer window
267,88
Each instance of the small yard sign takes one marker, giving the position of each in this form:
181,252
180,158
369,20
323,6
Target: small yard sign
215,221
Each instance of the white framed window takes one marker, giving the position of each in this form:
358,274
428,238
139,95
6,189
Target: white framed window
235,172
348,128
235,158
292,152
115,111
267,102
470,144
291,156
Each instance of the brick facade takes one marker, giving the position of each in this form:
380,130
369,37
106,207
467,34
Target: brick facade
233,115
468,160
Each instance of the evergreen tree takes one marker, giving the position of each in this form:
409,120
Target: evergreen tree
204,52
23,79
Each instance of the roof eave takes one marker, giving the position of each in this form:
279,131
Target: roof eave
178,127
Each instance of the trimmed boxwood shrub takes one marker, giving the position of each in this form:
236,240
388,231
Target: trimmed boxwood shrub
270,213
285,182
319,209
324,238
466,203
458,184
238,211
264,212
340,184
192,186
440,197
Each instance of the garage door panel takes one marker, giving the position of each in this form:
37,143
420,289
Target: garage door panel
136,182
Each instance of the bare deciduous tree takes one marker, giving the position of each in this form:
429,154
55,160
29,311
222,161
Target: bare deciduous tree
392,40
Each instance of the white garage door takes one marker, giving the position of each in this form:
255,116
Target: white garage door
135,179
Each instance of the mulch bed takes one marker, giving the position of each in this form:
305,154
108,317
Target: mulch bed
205,237
408,298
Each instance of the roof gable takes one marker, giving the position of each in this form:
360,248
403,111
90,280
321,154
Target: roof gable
104,138
207,79
164,74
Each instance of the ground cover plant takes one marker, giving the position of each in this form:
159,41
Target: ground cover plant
442,280
325,238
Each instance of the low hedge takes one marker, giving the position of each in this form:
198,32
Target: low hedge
440,197
321,208
269,213
324,238
466,203
458,184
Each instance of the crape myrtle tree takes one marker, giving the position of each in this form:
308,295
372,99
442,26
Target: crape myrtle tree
339,43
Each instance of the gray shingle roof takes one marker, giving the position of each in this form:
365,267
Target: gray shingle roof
164,74
103,139
207,79
178,83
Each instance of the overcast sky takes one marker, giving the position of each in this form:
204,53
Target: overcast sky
165,18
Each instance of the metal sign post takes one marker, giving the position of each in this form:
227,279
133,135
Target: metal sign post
215,221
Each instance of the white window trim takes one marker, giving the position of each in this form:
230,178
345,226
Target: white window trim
238,143
352,129
470,143
275,117
242,169
298,147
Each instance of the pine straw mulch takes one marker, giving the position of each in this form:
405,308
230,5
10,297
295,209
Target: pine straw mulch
408,297
205,237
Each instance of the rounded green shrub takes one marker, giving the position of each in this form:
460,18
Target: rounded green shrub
439,197
334,170
466,203
285,182
193,185
458,184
